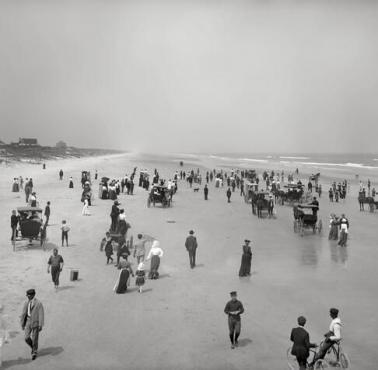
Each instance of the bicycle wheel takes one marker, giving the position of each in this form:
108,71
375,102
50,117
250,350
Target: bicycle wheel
344,361
321,364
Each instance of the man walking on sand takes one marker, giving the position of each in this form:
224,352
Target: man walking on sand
205,191
233,309
191,246
32,321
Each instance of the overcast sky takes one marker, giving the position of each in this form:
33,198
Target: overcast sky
189,76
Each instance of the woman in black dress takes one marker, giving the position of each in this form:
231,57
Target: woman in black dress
123,277
245,268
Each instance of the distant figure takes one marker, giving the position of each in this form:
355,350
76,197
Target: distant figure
228,193
114,216
55,263
85,211
47,213
234,309
96,175
140,249
108,249
344,229
61,175
155,254
44,166
14,223
140,277
301,343
206,191
33,200
71,185
32,321
191,246
65,229
246,260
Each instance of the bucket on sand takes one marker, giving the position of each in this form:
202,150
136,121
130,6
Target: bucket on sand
74,274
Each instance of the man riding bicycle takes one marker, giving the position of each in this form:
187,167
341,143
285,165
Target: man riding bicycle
332,336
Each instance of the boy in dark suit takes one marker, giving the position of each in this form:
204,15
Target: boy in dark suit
301,343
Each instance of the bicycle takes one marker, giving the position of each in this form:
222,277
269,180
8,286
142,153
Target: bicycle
335,358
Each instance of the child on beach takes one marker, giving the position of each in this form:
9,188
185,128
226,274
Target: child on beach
109,251
65,229
85,211
140,277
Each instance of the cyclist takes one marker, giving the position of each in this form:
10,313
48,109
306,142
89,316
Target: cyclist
301,343
332,336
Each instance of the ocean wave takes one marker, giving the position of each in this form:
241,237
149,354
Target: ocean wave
294,157
253,160
353,165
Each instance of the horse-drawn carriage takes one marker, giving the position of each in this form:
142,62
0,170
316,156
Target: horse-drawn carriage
303,219
31,226
249,189
292,193
370,201
160,194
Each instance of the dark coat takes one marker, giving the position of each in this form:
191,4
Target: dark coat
302,345
115,211
191,243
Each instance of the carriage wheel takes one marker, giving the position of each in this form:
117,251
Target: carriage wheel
295,226
301,227
314,229
148,202
14,245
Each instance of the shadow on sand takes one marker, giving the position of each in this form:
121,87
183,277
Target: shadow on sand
244,342
52,351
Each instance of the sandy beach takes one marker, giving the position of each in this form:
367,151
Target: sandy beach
178,322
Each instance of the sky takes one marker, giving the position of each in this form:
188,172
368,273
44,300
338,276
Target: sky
191,76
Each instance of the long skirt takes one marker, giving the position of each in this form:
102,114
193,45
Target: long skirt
15,188
343,238
122,282
155,263
245,267
55,272
333,233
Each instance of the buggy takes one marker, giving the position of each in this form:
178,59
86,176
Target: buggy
303,220
31,226
160,194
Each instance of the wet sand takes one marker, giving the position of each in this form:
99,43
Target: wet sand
178,322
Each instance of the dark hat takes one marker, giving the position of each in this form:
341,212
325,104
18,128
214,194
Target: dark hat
117,203
30,292
247,240
334,311
233,294
191,232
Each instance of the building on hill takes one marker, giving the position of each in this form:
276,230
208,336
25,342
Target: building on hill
61,145
27,142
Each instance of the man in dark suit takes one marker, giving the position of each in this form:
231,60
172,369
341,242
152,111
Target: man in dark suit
47,213
114,216
191,246
301,343
32,321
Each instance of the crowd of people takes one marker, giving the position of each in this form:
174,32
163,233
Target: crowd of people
119,243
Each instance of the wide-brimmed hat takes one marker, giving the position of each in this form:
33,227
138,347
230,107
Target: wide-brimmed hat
30,292
191,232
116,203
247,240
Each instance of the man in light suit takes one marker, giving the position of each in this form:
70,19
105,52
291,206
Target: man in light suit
32,321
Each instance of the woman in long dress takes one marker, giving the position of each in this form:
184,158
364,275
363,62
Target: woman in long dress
155,254
334,228
123,280
245,267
